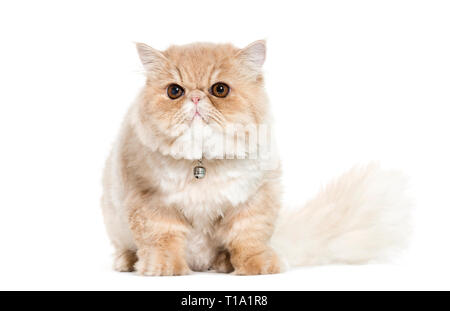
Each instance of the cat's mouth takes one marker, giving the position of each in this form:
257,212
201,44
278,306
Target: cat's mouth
198,115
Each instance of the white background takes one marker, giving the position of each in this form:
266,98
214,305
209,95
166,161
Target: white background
349,81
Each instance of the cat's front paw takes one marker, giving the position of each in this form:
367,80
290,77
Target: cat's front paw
266,262
157,262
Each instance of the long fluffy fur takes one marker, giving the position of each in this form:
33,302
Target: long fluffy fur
163,221
360,217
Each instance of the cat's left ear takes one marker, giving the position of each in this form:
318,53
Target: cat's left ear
253,55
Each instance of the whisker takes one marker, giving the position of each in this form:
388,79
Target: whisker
179,116
217,120
217,117
176,118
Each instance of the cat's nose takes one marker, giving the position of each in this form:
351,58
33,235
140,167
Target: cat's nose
196,96
195,99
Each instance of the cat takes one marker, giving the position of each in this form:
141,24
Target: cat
175,201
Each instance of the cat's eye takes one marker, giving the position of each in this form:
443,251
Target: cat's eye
220,89
174,91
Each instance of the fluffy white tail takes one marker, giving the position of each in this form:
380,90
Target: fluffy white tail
361,217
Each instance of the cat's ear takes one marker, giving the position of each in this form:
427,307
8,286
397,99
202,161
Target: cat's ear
151,59
253,55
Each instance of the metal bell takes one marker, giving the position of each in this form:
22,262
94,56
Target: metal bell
199,172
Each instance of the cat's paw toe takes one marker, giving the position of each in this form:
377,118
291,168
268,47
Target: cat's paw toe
152,264
266,262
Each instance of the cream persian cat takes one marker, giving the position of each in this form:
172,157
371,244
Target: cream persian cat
183,192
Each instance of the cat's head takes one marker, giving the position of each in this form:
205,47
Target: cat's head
199,86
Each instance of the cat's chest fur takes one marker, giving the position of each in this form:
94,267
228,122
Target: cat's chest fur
225,185
203,201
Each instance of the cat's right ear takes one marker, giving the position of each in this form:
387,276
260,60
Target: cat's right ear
151,59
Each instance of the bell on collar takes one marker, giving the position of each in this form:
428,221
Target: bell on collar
199,171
